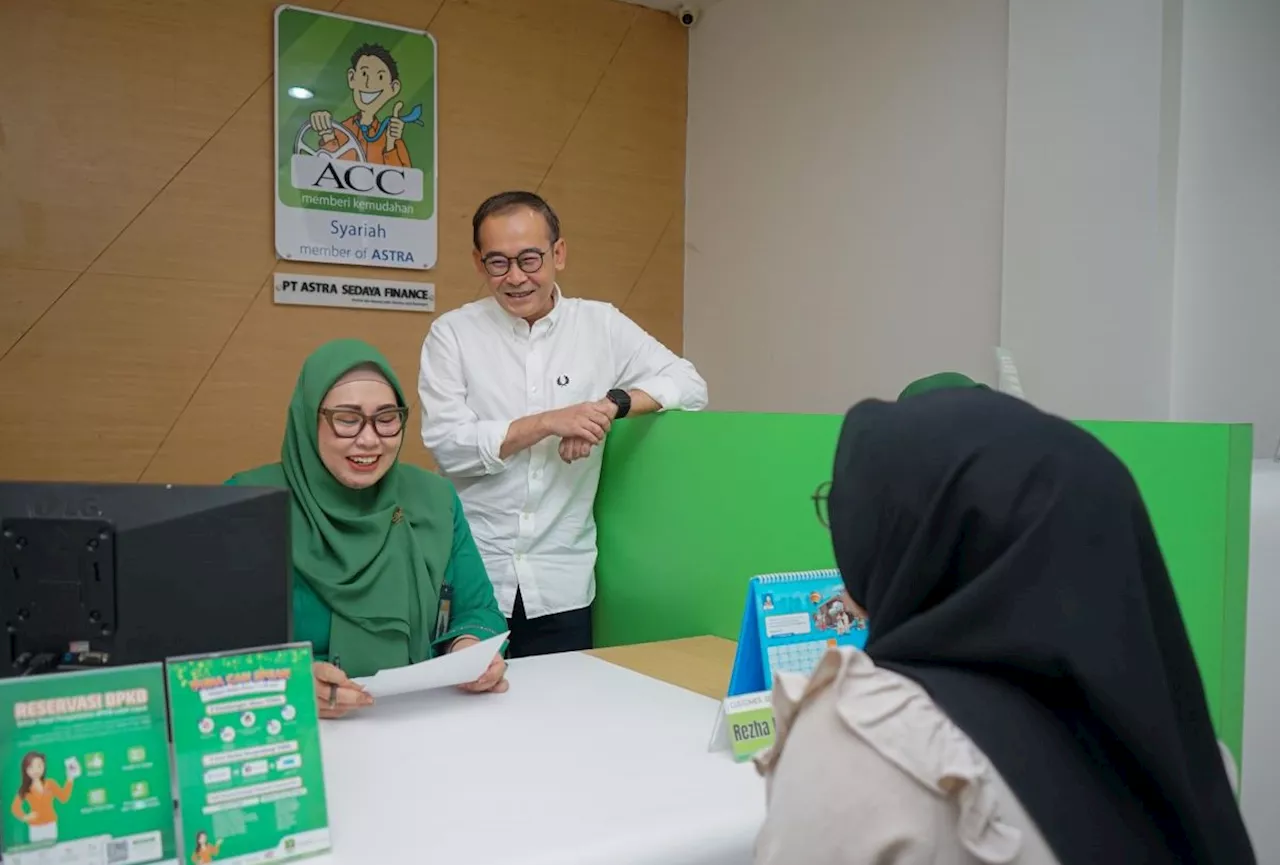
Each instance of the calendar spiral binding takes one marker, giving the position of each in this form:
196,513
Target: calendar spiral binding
784,576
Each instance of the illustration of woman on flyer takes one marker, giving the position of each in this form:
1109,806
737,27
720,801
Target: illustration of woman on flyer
204,850
36,794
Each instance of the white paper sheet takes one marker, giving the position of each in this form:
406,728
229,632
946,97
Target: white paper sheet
455,668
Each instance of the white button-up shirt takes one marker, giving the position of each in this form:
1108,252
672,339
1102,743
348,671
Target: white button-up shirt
531,514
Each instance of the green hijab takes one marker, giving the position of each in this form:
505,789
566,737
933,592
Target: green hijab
937,381
348,545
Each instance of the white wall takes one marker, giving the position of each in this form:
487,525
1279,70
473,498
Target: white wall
844,196
1087,298
1260,777
1226,325
1226,332
880,190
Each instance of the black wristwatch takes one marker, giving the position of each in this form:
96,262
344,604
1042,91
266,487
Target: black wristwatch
621,399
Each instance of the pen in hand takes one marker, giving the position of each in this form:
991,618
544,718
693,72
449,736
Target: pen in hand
336,693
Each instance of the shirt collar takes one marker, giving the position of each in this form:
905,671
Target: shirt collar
520,327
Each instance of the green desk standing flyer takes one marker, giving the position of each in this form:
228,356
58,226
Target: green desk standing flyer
246,739
84,768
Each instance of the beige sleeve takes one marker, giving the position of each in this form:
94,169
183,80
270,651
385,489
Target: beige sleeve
835,801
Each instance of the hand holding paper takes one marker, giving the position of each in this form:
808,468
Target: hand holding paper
456,668
493,679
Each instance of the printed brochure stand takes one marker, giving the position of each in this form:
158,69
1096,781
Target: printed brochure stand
789,622
246,739
84,769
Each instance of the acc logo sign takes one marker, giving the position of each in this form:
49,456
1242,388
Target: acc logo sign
322,174
361,179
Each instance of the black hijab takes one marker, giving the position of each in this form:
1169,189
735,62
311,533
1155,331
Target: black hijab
1007,563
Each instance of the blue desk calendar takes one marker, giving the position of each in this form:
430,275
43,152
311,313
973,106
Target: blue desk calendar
789,622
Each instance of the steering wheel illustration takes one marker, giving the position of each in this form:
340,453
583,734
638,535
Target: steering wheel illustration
350,145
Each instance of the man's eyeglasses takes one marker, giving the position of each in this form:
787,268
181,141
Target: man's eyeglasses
530,261
820,496
347,423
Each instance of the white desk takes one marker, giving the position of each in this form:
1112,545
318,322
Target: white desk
581,763
1260,777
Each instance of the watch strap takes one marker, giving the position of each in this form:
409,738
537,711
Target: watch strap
621,399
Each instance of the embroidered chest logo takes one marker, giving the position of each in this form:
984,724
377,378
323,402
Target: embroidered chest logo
562,380
397,516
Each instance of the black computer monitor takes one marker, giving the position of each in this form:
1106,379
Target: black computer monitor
109,574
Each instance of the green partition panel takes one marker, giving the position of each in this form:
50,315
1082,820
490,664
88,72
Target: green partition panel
691,505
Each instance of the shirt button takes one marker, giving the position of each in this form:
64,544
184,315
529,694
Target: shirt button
533,389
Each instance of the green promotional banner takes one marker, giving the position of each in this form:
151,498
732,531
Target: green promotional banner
355,141
246,739
84,768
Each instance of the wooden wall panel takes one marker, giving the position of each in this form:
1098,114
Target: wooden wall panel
135,263
115,361
127,91
650,302
219,203
518,76
24,297
636,122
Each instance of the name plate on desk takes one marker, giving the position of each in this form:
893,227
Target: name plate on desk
84,768
246,740
749,725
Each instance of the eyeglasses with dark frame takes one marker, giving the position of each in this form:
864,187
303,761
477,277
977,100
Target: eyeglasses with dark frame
820,496
529,260
348,423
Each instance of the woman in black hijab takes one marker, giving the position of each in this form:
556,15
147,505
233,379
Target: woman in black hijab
1012,581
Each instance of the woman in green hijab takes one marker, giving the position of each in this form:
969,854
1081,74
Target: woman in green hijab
386,572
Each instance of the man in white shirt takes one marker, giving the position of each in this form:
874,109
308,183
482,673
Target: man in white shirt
518,392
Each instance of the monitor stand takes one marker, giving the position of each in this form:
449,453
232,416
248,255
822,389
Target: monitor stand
59,590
